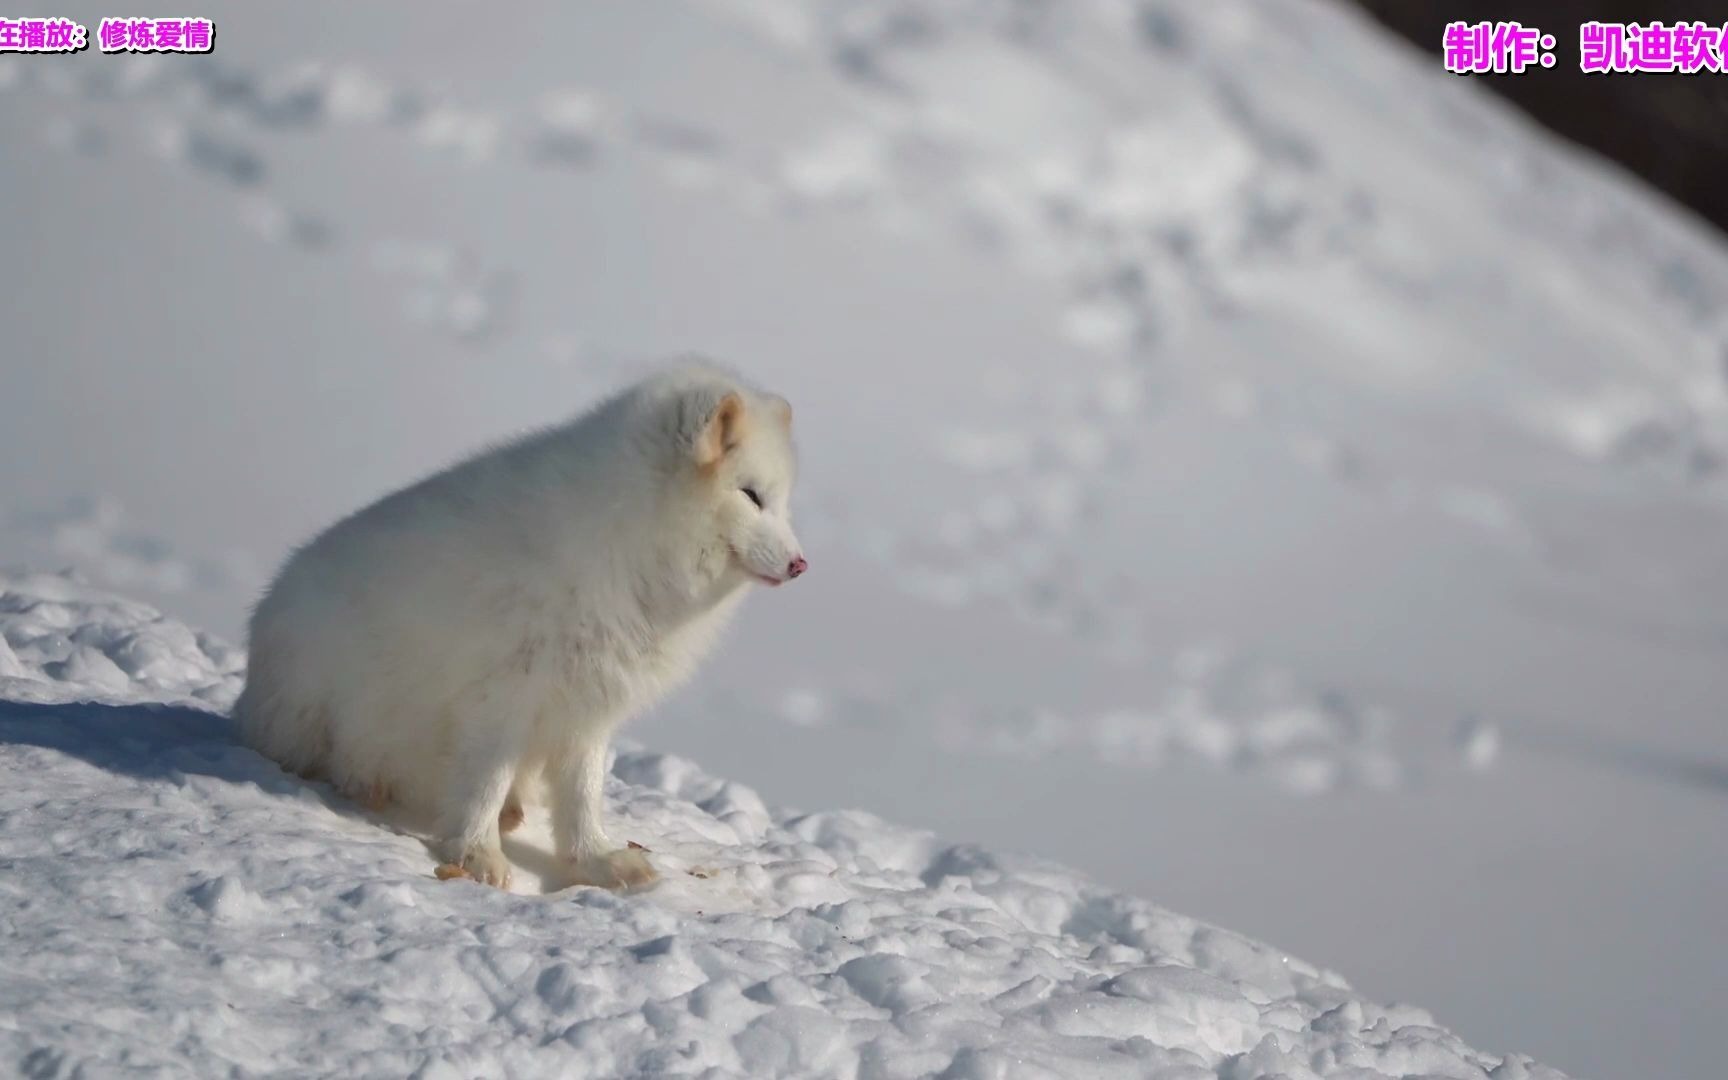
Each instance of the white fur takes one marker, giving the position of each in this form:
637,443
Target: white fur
444,647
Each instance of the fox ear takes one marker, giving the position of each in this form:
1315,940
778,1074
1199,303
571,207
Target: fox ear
721,432
782,410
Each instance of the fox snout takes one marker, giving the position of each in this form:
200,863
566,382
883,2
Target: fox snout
794,568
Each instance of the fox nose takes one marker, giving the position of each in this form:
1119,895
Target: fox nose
796,566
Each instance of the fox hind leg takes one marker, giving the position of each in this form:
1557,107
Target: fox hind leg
521,794
510,818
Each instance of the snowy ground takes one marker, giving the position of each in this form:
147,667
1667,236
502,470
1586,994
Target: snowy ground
1241,462
176,906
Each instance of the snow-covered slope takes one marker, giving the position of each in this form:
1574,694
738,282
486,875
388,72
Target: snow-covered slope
1242,462
175,905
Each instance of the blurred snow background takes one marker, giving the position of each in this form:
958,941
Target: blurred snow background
1241,461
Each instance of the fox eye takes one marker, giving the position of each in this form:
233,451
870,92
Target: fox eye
750,493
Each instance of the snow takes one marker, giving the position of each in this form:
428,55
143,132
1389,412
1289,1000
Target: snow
177,905
1241,461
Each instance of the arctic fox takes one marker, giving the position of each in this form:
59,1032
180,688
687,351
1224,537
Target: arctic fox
445,648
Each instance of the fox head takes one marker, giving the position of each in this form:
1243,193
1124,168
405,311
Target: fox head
740,449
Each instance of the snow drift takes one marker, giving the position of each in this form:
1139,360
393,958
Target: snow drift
177,905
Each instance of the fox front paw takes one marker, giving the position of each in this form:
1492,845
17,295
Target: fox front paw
625,868
485,865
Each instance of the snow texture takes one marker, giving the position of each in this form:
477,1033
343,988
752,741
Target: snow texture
176,905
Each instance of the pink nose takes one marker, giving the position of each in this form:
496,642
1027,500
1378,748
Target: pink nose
796,567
